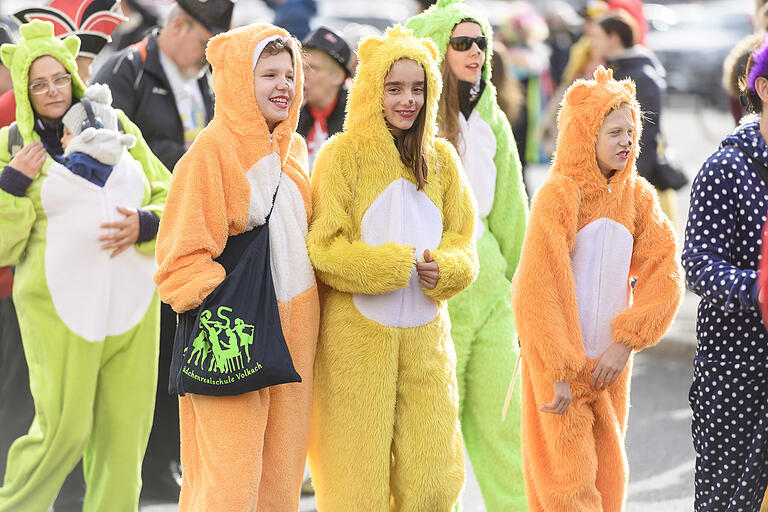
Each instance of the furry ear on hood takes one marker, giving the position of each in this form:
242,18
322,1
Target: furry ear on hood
365,116
582,110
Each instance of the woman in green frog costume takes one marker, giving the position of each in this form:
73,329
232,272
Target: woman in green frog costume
483,327
87,306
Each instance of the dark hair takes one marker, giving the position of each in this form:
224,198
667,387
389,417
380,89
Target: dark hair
277,46
622,24
754,103
411,143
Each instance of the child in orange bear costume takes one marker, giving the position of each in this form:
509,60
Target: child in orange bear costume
245,452
595,225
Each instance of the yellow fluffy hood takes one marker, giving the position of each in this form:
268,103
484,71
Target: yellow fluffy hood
582,110
231,55
365,110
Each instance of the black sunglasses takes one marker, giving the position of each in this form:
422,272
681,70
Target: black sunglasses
464,43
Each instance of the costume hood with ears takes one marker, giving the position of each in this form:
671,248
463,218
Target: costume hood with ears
582,111
233,56
438,21
365,113
37,40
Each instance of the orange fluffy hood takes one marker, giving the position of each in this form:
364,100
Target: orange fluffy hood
231,55
582,110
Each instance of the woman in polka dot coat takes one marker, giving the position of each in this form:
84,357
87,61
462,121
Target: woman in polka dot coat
729,394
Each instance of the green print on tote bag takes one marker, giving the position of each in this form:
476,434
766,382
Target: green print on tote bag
233,343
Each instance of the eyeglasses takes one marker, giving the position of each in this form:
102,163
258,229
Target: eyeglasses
59,82
464,43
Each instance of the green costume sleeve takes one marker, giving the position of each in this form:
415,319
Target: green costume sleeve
158,177
342,262
17,215
509,214
456,256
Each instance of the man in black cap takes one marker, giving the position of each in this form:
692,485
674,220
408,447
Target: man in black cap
163,84
327,63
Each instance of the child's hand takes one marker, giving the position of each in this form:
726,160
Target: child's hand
429,272
30,159
610,365
562,400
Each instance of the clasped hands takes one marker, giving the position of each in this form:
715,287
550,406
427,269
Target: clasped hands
609,366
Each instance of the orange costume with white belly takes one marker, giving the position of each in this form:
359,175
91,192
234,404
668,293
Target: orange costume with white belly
588,237
244,452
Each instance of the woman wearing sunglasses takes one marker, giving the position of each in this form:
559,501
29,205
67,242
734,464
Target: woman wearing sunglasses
87,306
483,327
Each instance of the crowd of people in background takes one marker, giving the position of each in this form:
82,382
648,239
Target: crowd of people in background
237,252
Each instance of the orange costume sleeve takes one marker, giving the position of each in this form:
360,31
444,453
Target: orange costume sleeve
543,294
193,231
659,286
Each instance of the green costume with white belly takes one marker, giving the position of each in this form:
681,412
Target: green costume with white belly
89,323
483,327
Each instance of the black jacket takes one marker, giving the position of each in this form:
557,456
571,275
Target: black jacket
335,121
645,70
141,89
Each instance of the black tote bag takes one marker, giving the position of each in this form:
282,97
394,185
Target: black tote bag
233,343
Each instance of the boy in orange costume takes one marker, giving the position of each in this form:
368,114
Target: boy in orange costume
245,452
595,225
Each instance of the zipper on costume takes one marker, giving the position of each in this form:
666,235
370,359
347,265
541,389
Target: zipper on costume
600,270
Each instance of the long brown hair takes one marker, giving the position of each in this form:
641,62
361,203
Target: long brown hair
411,145
448,107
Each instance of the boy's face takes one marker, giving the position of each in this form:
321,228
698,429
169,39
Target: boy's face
274,87
66,138
614,140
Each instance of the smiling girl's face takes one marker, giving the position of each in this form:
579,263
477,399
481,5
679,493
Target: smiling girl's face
274,87
403,99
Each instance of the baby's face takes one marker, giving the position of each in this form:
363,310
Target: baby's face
66,138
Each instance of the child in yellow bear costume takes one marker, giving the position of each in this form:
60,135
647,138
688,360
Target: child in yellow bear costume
385,414
595,225
245,452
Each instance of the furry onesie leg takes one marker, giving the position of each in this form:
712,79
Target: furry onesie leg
575,462
486,357
96,397
385,415
272,423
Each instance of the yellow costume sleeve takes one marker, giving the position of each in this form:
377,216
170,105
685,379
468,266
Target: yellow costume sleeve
341,262
456,255
659,286
193,231
543,289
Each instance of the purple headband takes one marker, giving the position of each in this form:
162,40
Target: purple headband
759,64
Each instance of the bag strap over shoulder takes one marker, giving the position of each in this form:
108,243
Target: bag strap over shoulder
762,170
274,196
15,141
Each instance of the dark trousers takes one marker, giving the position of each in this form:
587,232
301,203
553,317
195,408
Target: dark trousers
730,435
164,443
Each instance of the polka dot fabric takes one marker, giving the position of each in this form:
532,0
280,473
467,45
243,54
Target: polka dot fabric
729,394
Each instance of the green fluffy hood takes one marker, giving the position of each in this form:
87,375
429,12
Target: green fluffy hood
37,39
438,21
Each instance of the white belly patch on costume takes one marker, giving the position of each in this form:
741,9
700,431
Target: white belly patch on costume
292,272
602,252
404,215
95,295
477,148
